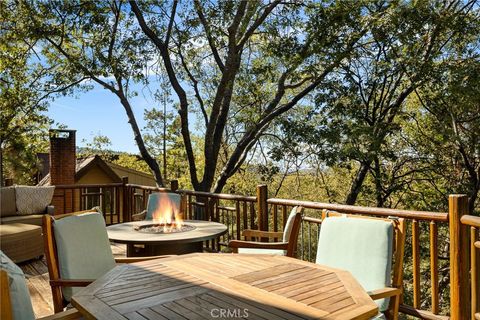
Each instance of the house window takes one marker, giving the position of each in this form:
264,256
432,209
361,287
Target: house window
92,197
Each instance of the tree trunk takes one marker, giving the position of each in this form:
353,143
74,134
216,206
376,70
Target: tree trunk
357,183
378,184
473,196
151,162
164,139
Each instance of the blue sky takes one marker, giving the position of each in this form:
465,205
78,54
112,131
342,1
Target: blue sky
99,111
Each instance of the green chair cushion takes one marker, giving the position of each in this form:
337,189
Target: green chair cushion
379,316
83,248
153,202
289,225
21,303
361,246
262,251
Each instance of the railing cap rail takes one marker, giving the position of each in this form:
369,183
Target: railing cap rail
409,214
224,196
470,220
89,185
150,188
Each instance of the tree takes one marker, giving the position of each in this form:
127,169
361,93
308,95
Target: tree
203,48
254,45
90,43
99,145
358,119
158,133
451,126
26,85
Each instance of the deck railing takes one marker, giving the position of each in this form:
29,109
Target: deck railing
429,233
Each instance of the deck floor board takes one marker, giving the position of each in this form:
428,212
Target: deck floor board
36,275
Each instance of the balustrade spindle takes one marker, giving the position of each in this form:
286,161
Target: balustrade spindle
275,218
252,216
434,265
302,242
474,270
245,218
190,207
284,215
309,241
416,263
237,212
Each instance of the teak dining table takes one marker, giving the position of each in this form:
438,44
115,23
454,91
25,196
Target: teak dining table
221,286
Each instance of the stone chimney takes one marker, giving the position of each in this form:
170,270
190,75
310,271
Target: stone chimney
62,156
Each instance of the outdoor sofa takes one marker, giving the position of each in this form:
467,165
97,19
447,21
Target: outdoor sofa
21,212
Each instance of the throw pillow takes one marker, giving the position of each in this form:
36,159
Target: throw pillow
33,200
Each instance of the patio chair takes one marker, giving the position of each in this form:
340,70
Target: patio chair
176,200
366,246
287,246
15,302
77,251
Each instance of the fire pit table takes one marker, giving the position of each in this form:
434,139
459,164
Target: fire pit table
146,238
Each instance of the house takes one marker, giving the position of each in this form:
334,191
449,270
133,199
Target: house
94,170
65,169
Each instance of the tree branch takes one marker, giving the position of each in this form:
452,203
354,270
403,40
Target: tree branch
256,24
208,33
182,96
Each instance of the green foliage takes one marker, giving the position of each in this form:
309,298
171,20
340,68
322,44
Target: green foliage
131,161
23,123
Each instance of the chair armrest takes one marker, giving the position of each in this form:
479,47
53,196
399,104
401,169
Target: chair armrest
140,259
51,210
249,233
257,245
71,282
384,293
139,216
70,314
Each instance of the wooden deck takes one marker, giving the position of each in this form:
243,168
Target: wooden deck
36,274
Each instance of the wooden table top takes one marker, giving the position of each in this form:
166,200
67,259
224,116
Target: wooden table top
204,230
209,285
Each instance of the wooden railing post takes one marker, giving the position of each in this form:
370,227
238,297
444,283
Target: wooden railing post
8,182
459,258
262,207
174,185
125,200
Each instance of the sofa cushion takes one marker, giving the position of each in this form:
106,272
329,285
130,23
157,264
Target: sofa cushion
33,200
83,248
21,303
35,219
21,242
7,202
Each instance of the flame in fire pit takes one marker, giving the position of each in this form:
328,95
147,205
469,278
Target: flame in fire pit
167,214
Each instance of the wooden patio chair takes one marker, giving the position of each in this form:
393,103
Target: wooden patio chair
366,246
177,201
77,251
286,246
15,302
